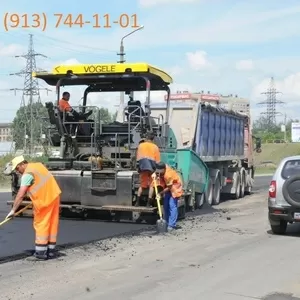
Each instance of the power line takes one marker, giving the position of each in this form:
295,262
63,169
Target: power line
271,103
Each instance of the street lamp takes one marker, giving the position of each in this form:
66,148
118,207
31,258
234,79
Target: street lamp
122,60
122,53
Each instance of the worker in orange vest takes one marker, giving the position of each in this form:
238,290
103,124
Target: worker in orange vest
147,156
41,187
171,182
64,106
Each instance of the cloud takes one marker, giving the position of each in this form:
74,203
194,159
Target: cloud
176,70
244,65
148,3
11,50
198,60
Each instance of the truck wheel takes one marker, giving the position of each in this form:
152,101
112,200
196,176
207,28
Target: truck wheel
248,189
216,192
181,212
199,200
238,188
242,189
280,228
209,193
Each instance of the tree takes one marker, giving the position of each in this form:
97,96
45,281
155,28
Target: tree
22,125
105,115
262,129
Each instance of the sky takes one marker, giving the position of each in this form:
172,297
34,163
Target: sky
221,46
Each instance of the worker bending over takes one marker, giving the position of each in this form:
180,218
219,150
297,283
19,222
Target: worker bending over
41,187
147,156
171,182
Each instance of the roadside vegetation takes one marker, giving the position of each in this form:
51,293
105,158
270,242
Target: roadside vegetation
5,180
275,145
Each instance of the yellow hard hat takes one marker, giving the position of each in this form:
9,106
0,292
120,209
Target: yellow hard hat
17,160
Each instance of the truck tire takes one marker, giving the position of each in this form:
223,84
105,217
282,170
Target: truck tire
280,228
242,186
181,212
209,193
216,192
248,189
236,195
199,200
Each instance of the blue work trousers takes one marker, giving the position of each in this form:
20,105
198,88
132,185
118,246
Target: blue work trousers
170,210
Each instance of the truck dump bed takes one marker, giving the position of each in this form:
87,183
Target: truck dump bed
215,134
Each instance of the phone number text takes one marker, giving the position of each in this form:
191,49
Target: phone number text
44,21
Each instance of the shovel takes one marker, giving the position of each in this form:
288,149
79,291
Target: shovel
161,224
16,214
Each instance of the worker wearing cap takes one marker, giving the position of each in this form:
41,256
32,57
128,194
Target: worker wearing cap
147,156
41,187
172,191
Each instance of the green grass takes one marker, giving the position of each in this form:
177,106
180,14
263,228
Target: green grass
276,152
264,170
271,155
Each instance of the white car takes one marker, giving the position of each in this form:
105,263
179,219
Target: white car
284,195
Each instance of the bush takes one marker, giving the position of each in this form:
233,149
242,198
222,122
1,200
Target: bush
5,180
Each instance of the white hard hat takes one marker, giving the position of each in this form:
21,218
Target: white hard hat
17,160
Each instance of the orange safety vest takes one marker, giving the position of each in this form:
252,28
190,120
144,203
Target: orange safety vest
44,189
148,150
172,179
64,105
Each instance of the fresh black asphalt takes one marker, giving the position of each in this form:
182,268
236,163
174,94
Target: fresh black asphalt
17,236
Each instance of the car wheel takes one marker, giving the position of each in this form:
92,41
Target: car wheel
280,228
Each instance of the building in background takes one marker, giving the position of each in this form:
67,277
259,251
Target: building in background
6,142
5,132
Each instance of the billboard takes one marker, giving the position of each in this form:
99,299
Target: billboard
295,132
210,97
191,96
179,96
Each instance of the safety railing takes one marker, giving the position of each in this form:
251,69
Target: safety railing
83,128
136,119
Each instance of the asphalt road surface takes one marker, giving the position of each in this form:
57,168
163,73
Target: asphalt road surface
17,236
226,255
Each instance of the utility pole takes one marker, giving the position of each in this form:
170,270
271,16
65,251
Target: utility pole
31,89
285,127
122,61
271,104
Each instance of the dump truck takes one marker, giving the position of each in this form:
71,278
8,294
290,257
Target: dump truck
221,138
97,169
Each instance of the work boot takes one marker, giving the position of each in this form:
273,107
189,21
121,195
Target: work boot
171,229
149,203
38,256
137,202
52,253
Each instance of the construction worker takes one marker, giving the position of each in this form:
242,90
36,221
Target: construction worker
64,106
147,156
172,191
71,115
41,187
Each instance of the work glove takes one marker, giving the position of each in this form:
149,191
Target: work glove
153,176
10,214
